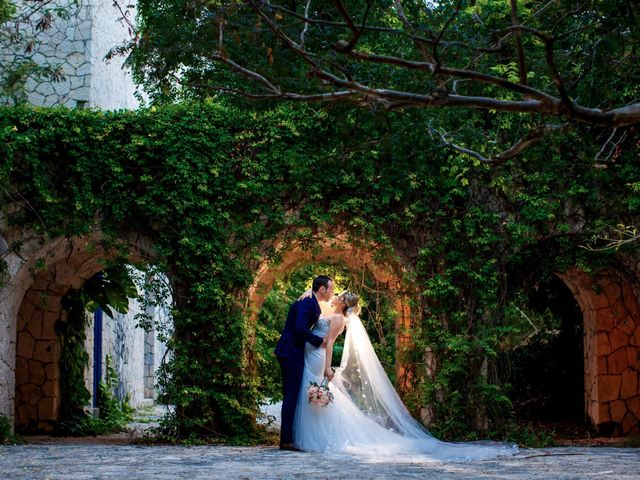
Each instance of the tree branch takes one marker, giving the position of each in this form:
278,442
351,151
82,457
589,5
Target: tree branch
518,39
625,234
347,18
275,95
460,73
126,18
439,99
534,136
306,25
614,145
458,148
444,29
534,101
250,74
375,28
419,43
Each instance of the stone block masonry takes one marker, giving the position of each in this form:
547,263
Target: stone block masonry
75,45
612,350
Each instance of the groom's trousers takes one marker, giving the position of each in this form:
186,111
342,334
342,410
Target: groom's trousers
292,370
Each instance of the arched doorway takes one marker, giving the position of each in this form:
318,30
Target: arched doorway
339,250
573,360
38,289
545,366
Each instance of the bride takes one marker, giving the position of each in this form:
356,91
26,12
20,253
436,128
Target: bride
366,415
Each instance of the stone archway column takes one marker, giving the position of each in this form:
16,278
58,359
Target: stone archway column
611,350
403,342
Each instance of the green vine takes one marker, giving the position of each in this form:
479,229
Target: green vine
114,413
106,288
217,189
74,360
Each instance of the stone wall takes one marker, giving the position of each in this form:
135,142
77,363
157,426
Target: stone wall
111,85
132,350
30,272
611,349
77,45
37,397
37,388
124,343
38,354
8,317
135,354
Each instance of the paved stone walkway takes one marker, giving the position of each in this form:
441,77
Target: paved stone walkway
132,462
115,457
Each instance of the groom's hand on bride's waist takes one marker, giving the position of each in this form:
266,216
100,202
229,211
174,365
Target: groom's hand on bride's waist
324,343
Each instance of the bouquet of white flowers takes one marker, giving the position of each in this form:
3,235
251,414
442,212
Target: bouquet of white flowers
319,395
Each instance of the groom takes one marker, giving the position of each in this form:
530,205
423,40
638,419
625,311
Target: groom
303,314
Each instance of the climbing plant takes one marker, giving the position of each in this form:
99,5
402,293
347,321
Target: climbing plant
218,188
106,290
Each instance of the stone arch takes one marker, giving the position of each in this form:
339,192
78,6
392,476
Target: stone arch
338,249
33,302
611,349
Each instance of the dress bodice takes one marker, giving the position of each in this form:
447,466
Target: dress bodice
321,327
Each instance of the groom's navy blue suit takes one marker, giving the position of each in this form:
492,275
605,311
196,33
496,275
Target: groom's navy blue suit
303,314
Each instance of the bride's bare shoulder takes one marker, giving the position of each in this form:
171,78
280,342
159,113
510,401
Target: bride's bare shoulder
335,317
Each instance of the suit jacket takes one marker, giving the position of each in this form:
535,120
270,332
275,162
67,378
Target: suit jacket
303,314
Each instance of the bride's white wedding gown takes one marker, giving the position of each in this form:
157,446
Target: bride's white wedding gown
366,416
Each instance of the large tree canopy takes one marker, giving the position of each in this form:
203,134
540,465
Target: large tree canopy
527,68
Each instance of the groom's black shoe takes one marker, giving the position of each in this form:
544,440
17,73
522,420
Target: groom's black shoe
289,446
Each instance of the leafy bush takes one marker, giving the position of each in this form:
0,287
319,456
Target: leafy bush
6,431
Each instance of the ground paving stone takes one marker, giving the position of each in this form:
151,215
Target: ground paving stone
94,461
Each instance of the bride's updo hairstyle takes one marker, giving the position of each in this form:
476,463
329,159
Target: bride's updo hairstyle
351,301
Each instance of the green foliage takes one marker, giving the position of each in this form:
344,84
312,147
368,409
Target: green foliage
587,37
112,288
6,434
22,26
7,10
529,436
432,49
100,291
114,413
631,442
74,359
219,188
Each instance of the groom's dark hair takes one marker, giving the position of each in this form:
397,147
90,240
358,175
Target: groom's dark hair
320,281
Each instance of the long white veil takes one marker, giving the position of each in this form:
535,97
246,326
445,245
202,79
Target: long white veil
363,379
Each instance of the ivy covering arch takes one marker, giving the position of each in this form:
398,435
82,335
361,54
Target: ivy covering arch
214,186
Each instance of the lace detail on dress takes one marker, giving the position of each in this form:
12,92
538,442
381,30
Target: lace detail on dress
321,328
